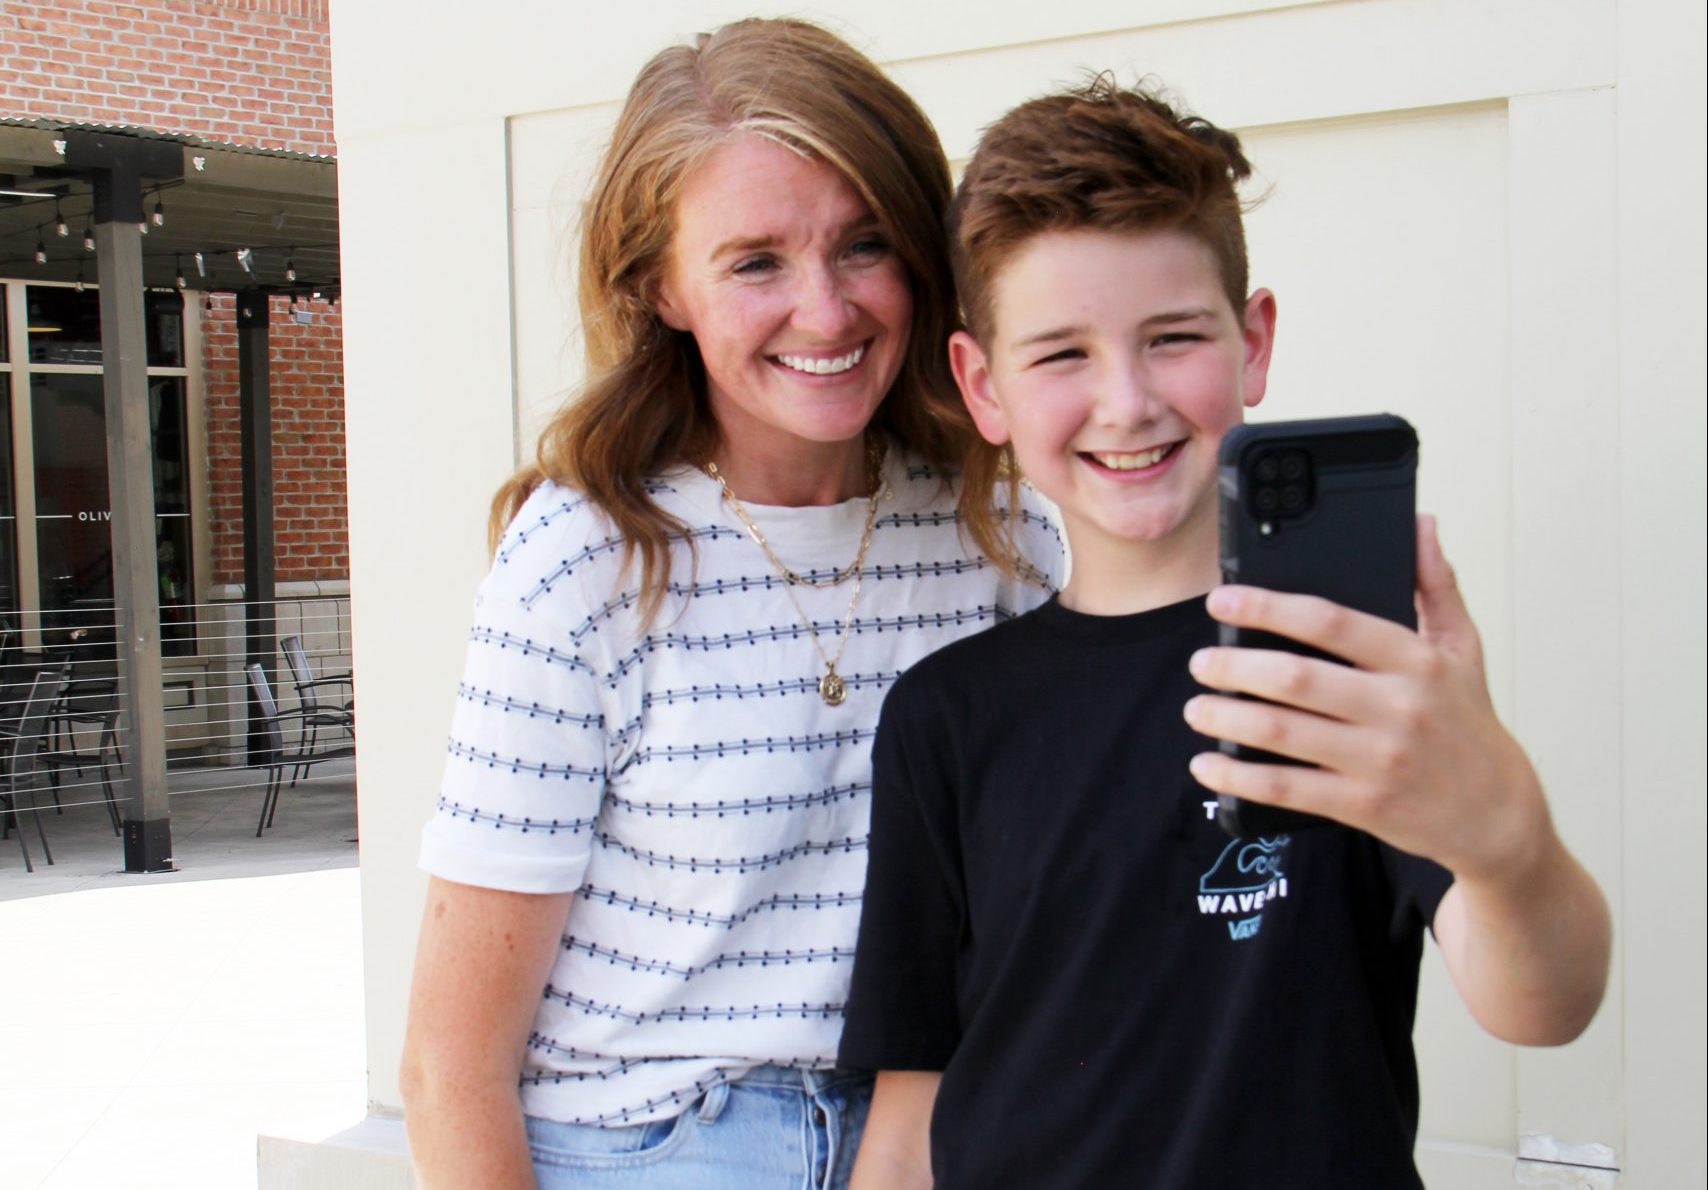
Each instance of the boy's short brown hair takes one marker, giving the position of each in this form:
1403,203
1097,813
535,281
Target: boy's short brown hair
1097,158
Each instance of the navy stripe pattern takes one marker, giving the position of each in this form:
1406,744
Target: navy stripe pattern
686,781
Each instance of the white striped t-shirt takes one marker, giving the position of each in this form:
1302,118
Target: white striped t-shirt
688,784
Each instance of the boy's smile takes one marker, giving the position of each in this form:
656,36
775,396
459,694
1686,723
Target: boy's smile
1115,367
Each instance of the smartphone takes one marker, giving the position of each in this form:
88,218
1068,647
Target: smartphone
1324,507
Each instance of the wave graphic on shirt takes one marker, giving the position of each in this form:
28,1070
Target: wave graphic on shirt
1246,876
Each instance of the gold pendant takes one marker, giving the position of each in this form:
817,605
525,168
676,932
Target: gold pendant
832,689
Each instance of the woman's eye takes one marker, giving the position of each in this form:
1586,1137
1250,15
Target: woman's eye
755,266
867,247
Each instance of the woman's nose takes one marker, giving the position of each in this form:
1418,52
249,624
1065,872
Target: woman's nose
822,304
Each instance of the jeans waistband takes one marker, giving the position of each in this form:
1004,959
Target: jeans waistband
809,1081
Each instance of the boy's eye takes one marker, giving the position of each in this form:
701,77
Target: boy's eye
1176,337
1066,353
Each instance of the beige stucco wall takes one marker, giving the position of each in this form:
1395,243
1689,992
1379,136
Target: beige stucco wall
1488,217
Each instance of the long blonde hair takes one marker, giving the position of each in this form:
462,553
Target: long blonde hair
643,407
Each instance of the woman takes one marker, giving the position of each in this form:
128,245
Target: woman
649,849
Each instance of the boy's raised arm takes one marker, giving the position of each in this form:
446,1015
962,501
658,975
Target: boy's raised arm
895,1152
1409,748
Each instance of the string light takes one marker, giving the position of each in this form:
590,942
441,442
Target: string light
41,252
246,259
60,227
88,238
290,266
201,266
79,285
159,213
178,268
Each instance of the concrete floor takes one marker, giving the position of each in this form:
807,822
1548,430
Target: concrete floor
151,1026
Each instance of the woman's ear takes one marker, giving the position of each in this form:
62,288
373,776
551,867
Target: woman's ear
669,312
971,367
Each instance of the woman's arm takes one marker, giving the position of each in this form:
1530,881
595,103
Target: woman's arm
895,1153
480,967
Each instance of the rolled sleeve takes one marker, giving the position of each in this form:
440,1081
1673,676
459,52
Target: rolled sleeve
525,766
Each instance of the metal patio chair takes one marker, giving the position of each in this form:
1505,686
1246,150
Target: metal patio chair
277,756
91,705
20,755
317,714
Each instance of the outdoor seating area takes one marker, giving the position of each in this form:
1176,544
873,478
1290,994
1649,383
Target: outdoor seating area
60,751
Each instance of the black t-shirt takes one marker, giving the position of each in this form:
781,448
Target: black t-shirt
1116,992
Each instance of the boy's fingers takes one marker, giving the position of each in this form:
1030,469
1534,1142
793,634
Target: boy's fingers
1308,683
1441,610
1366,641
1294,734
1315,791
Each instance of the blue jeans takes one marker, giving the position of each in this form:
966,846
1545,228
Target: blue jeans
773,1129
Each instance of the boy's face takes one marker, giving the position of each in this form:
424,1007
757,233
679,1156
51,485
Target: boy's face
1115,366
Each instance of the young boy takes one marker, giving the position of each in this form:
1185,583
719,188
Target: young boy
1067,975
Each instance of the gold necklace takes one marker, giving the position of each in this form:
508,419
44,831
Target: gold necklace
874,477
831,687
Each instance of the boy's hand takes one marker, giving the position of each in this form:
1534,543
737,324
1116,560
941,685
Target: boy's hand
1411,751
1406,739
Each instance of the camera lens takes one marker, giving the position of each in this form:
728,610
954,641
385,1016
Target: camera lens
1292,498
1267,469
1293,467
1267,500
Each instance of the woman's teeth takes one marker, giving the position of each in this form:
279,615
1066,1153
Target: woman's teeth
821,366
1133,460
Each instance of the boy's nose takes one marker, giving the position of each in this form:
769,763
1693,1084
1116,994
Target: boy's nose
1125,397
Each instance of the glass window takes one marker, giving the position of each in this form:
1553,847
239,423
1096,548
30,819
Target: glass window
65,326
74,518
8,518
163,312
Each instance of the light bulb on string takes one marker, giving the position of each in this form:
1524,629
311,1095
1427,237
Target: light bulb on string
142,228
41,252
88,238
60,227
79,283
159,215
290,267
178,268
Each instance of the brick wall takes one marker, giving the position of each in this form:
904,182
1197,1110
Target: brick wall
254,72
310,526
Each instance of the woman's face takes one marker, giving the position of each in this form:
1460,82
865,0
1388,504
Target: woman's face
798,304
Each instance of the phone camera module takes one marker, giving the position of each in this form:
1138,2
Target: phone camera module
1281,485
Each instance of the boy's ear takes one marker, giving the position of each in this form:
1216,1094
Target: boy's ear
971,367
1259,338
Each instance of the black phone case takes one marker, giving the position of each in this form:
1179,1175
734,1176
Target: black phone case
1355,544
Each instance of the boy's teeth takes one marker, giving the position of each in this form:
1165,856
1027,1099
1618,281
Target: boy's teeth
823,367
1133,461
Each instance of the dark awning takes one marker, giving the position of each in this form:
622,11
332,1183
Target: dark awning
280,206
